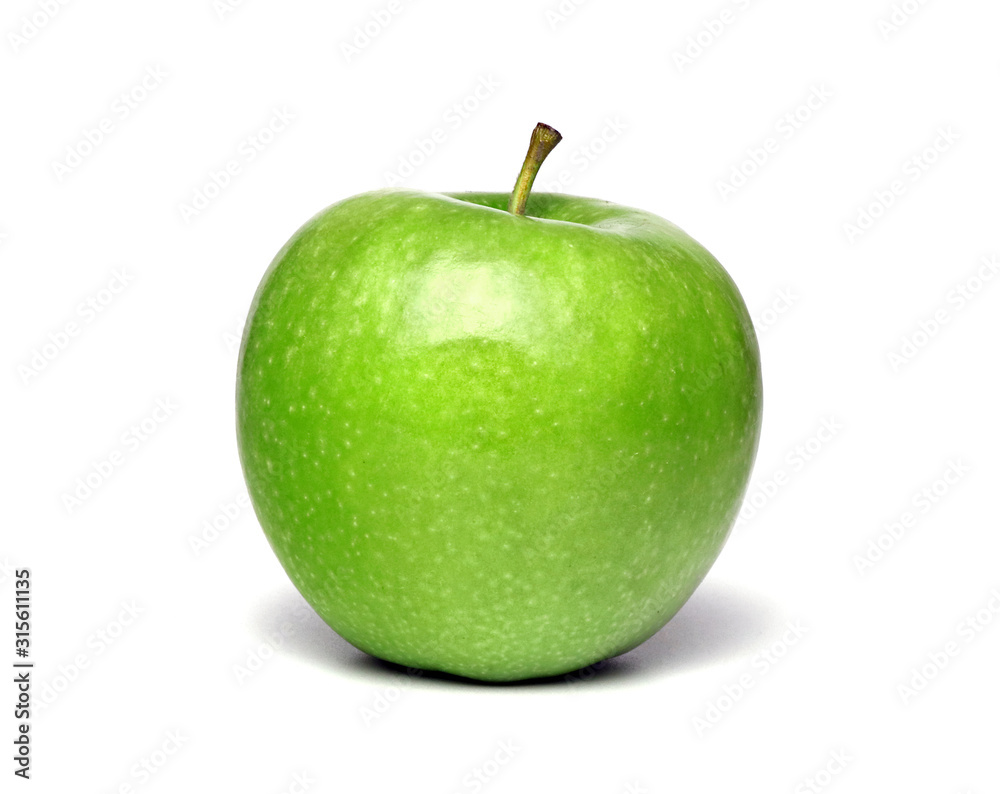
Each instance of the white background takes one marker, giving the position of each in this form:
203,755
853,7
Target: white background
203,665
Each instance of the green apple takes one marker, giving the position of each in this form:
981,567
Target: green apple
498,436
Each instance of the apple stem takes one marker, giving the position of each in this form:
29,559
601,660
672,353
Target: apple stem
543,140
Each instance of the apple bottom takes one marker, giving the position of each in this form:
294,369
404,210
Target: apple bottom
509,580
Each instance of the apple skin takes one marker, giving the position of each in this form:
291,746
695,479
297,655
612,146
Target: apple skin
497,446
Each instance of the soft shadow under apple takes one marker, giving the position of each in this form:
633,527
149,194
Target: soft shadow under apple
719,622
